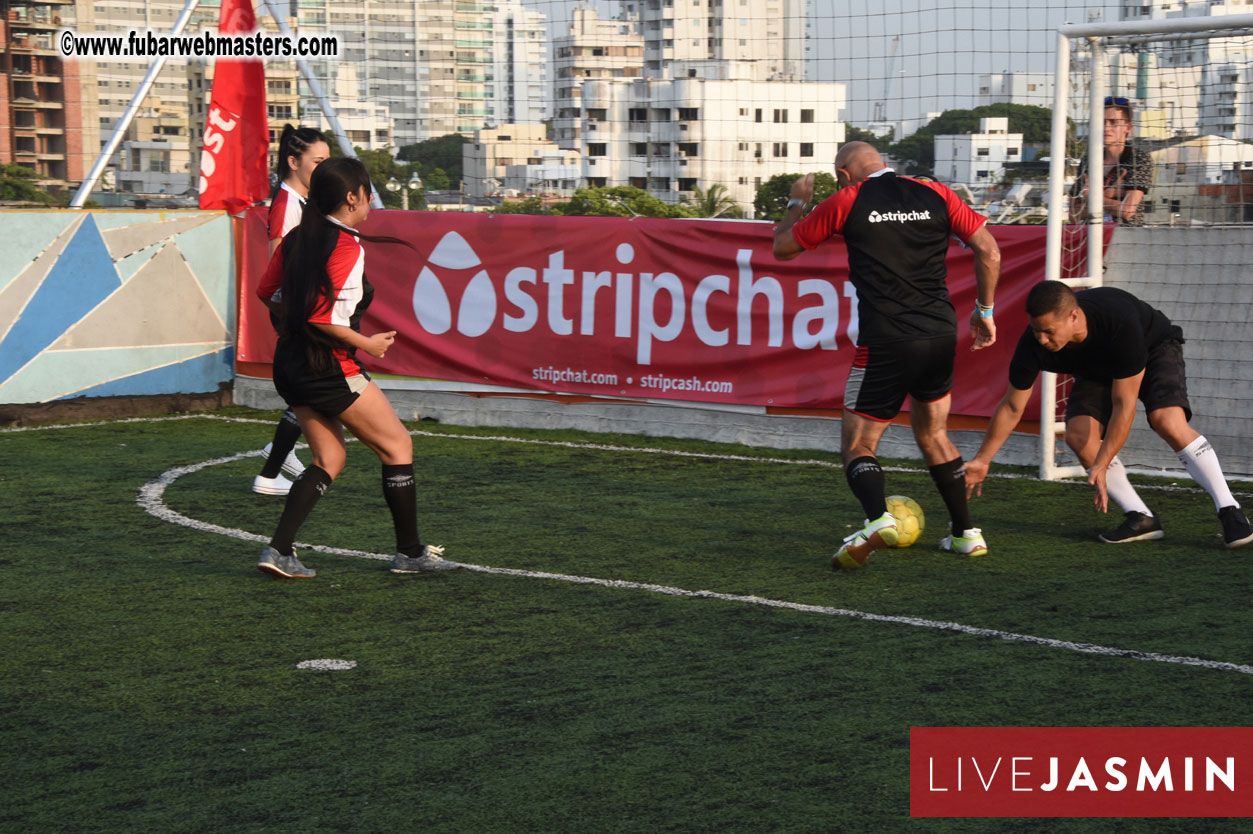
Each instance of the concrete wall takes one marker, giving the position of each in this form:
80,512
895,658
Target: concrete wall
750,426
115,303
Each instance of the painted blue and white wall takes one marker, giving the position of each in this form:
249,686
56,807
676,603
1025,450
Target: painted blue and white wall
115,303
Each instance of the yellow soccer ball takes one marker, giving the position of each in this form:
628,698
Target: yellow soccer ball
910,521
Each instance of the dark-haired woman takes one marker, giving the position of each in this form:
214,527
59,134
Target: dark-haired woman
320,268
300,150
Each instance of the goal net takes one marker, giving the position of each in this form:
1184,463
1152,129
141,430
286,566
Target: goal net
1185,78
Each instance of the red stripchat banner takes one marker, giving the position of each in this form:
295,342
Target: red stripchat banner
1081,771
638,307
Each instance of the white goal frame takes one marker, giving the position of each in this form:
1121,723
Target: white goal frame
1098,36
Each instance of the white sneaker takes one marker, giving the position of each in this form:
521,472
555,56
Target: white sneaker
278,485
292,465
969,543
857,548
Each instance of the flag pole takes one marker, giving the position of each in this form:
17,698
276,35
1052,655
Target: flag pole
119,130
327,110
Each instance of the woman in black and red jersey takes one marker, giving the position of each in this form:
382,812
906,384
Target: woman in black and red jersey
300,150
320,269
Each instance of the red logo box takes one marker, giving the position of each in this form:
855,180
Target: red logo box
1081,772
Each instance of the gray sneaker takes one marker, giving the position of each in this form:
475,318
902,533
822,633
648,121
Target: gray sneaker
430,560
288,567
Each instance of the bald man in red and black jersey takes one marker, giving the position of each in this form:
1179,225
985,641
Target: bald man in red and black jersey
897,231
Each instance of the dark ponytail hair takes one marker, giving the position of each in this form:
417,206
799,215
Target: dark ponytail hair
308,247
293,141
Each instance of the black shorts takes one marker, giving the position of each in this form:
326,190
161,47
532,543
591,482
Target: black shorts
1164,385
882,375
328,392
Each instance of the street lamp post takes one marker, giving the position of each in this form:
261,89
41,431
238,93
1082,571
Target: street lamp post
394,185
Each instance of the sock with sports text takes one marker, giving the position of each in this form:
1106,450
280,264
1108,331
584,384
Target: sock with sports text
950,480
1121,490
1199,459
400,490
309,487
286,433
865,479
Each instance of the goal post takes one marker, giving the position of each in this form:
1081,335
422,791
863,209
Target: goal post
1185,78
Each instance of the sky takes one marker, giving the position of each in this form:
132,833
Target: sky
944,45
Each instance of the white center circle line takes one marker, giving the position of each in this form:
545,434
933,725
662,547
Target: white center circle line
151,498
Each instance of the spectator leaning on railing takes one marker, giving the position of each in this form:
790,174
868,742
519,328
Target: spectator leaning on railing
1127,176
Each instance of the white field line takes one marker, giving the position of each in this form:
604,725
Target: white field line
599,447
151,499
122,420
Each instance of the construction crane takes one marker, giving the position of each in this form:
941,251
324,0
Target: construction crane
880,106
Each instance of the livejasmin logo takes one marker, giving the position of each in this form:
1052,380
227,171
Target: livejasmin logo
647,307
898,216
1080,772
1115,773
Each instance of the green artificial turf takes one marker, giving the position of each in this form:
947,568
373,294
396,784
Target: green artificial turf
150,679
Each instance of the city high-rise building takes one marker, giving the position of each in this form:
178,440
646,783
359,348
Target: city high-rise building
594,48
769,34
380,39
48,120
518,89
155,154
1189,86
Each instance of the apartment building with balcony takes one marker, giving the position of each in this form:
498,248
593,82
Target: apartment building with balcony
593,48
47,104
667,136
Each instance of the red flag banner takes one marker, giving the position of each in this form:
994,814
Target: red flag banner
661,309
234,169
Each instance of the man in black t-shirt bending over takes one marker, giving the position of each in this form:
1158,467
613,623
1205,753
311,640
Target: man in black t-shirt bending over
897,231
1119,349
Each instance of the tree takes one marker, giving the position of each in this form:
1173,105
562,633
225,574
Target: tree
436,179
619,201
530,205
918,151
772,197
18,183
857,134
714,202
382,168
441,152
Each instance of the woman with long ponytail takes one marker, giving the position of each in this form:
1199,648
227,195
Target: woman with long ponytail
320,270
300,150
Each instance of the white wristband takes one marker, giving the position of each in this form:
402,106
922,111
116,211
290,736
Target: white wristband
794,202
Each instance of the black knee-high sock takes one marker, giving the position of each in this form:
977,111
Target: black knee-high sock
950,480
309,487
865,478
400,490
286,433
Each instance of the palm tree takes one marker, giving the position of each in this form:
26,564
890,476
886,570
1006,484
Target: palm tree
713,202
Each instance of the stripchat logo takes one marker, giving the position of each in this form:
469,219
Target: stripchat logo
477,310
897,216
647,307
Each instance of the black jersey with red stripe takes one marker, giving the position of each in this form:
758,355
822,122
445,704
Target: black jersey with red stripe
897,232
345,264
